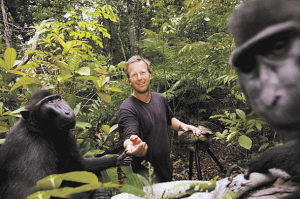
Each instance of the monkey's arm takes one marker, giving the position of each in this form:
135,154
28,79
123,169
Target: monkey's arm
97,164
285,157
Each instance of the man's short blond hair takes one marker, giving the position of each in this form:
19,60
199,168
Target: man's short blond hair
137,58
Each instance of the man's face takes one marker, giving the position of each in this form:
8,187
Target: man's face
139,77
272,84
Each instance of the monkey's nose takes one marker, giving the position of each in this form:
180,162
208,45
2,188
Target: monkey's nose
67,112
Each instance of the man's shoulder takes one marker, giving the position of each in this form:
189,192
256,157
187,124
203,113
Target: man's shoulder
127,102
157,95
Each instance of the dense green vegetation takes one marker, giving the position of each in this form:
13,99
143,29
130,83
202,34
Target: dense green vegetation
78,48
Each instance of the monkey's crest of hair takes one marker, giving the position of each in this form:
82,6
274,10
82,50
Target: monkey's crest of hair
37,96
256,15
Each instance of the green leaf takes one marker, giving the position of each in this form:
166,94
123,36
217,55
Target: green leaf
105,129
3,129
111,175
16,72
231,135
84,71
2,64
249,131
114,89
62,78
60,40
114,127
100,71
245,142
40,195
68,46
26,66
87,77
263,147
105,97
241,114
72,101
25,81
10,55
69,23
127,170
64,66
2,141
74,62
83,125
133,190
49,182
93,153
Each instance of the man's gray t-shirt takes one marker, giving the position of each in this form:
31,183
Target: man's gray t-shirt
150,122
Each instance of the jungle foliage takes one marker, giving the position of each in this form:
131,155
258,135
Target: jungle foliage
78,48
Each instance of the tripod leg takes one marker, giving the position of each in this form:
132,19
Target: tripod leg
199,174
216,160
191,165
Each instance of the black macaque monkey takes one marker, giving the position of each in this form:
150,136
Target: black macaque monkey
41,144
267,60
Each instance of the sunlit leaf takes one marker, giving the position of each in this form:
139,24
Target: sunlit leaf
62,78
16,72
105,129
25,81
74,62
26,66
83,125
105,97
84,71
60,40
2,141
3,129
87,77
245,142
10,55
115,89
2,64
64,66
241,114
110,175
69,23
114,127
100,70
40,195
231,135
68,46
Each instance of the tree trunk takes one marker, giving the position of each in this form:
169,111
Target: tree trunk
7,31
132,30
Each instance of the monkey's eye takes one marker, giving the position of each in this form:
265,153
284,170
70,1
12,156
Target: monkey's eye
59,99
279,48
50,102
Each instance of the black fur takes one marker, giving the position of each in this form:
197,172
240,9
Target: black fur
267,54
257,15
41,144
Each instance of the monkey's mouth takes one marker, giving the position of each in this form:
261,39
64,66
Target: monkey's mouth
67,126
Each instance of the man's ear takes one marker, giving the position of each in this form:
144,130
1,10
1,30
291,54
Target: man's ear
25,114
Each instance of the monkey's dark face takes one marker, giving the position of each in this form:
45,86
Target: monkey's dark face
271,80
52,114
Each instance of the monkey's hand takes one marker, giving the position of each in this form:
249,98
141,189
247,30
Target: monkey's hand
245,168
124,159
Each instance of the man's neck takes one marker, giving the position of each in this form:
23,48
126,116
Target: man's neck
145,97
